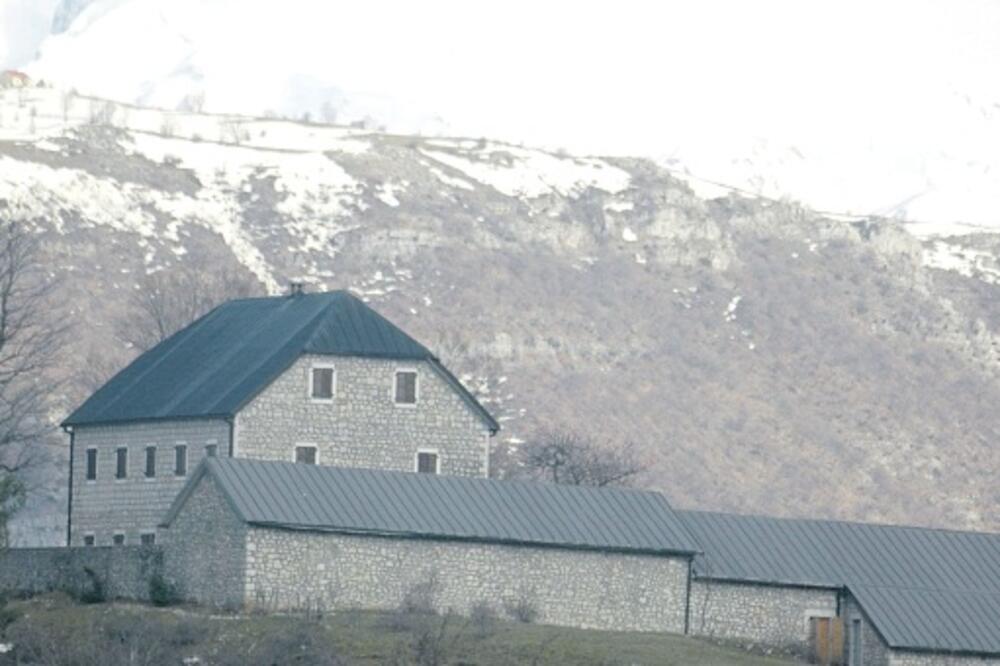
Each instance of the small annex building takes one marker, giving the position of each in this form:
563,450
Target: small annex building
280,535
842,592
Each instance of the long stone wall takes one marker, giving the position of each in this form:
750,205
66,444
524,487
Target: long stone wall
363,426
121,572
761,614
566,587
134,505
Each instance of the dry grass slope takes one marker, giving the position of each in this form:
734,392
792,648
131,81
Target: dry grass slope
55,631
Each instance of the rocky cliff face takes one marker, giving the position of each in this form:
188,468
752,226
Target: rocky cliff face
765,358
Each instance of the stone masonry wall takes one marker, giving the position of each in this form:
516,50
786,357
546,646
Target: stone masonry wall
362,426
571,588
764,614
205,551
874,651
136,504
122,571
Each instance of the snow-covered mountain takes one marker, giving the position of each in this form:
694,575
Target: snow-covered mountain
259,58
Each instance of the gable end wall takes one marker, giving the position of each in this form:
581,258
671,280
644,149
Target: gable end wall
761,614
205,555
362,426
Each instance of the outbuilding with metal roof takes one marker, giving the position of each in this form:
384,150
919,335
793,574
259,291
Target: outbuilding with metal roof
847,592
246,532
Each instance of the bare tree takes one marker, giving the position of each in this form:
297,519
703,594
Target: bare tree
574,459
165,302
29,345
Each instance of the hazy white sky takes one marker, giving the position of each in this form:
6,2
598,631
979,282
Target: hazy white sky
900,80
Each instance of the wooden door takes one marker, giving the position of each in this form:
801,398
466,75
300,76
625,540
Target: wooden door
827,640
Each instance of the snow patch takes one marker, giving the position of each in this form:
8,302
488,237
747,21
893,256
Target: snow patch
522,172
386,193
451,181
970,262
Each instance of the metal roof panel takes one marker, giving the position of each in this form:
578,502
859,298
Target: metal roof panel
296,496
221,361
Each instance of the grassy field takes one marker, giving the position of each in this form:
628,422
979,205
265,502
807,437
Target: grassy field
56,631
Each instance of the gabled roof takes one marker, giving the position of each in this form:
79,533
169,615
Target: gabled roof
827,553
930,620
374,502
220,362
923,589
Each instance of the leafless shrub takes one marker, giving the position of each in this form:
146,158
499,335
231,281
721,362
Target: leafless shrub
167,126
301,644
522,607
29,346
328,112
189,632
101,113
418,603
429,645
233,131
35,644
574,459
194,103
114,639
265,600
165,302
66,102
422,596
483,618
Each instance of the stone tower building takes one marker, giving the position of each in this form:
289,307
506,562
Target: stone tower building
310,378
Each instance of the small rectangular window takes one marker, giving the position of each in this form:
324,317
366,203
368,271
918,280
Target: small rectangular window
150,462
211,450
147,539
121,463
305,455
322,383
406,387
180,460
118,539
427,462
91,464
89,540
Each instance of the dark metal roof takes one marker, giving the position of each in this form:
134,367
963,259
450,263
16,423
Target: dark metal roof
364,501
933,620
826,553
221,361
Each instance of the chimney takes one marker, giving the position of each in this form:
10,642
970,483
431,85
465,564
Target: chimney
296,288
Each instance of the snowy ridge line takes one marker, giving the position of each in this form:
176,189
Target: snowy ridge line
838,215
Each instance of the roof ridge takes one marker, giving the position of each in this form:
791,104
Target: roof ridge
923,588
837,521
271,297
448,478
